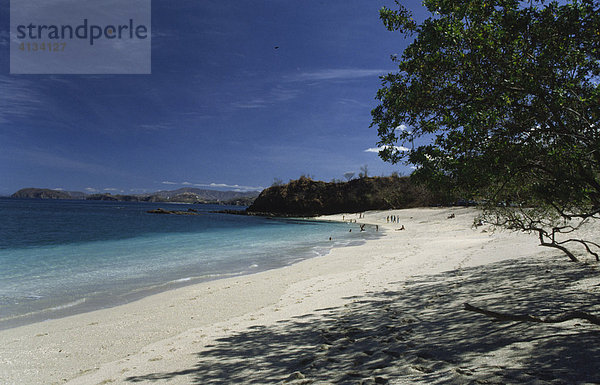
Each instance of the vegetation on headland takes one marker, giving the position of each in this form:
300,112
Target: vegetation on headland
500,101
41,193
305,197
184,195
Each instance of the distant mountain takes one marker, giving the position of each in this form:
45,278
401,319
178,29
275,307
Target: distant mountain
41,193
183,195
202,194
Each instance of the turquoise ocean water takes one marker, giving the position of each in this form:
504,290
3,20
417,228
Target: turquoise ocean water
59,258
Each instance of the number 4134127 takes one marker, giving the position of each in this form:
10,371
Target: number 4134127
50,47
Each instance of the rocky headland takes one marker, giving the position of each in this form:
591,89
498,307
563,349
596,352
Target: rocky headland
41,193
308,198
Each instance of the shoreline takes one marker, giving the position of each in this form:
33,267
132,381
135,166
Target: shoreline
166,332
134,291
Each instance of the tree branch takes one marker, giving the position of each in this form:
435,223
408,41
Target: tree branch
529,318
585,244
553,244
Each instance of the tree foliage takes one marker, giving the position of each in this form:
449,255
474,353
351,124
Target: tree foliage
503,98
305,197
364,171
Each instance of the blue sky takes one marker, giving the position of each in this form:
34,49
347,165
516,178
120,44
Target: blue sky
222,108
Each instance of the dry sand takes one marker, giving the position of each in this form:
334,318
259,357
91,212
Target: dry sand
388,311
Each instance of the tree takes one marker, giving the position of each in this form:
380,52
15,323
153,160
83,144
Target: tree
364,171
503,97
348,176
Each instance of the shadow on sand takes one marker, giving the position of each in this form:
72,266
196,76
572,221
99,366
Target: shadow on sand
420,333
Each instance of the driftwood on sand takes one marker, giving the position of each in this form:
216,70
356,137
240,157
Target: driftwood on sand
567,316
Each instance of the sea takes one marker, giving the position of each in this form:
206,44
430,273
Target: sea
63,257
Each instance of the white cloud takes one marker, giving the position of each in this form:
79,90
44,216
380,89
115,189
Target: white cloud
275,95
21,98
91,189
379,149
340,74
254,103
234,187
163,33
110,189
353,102
237,187
403,127
156,127
264,97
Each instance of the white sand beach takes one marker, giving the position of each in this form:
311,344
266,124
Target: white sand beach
387,311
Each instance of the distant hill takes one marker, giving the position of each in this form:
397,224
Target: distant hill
305,197
203,194
41,193
184,195
77,194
